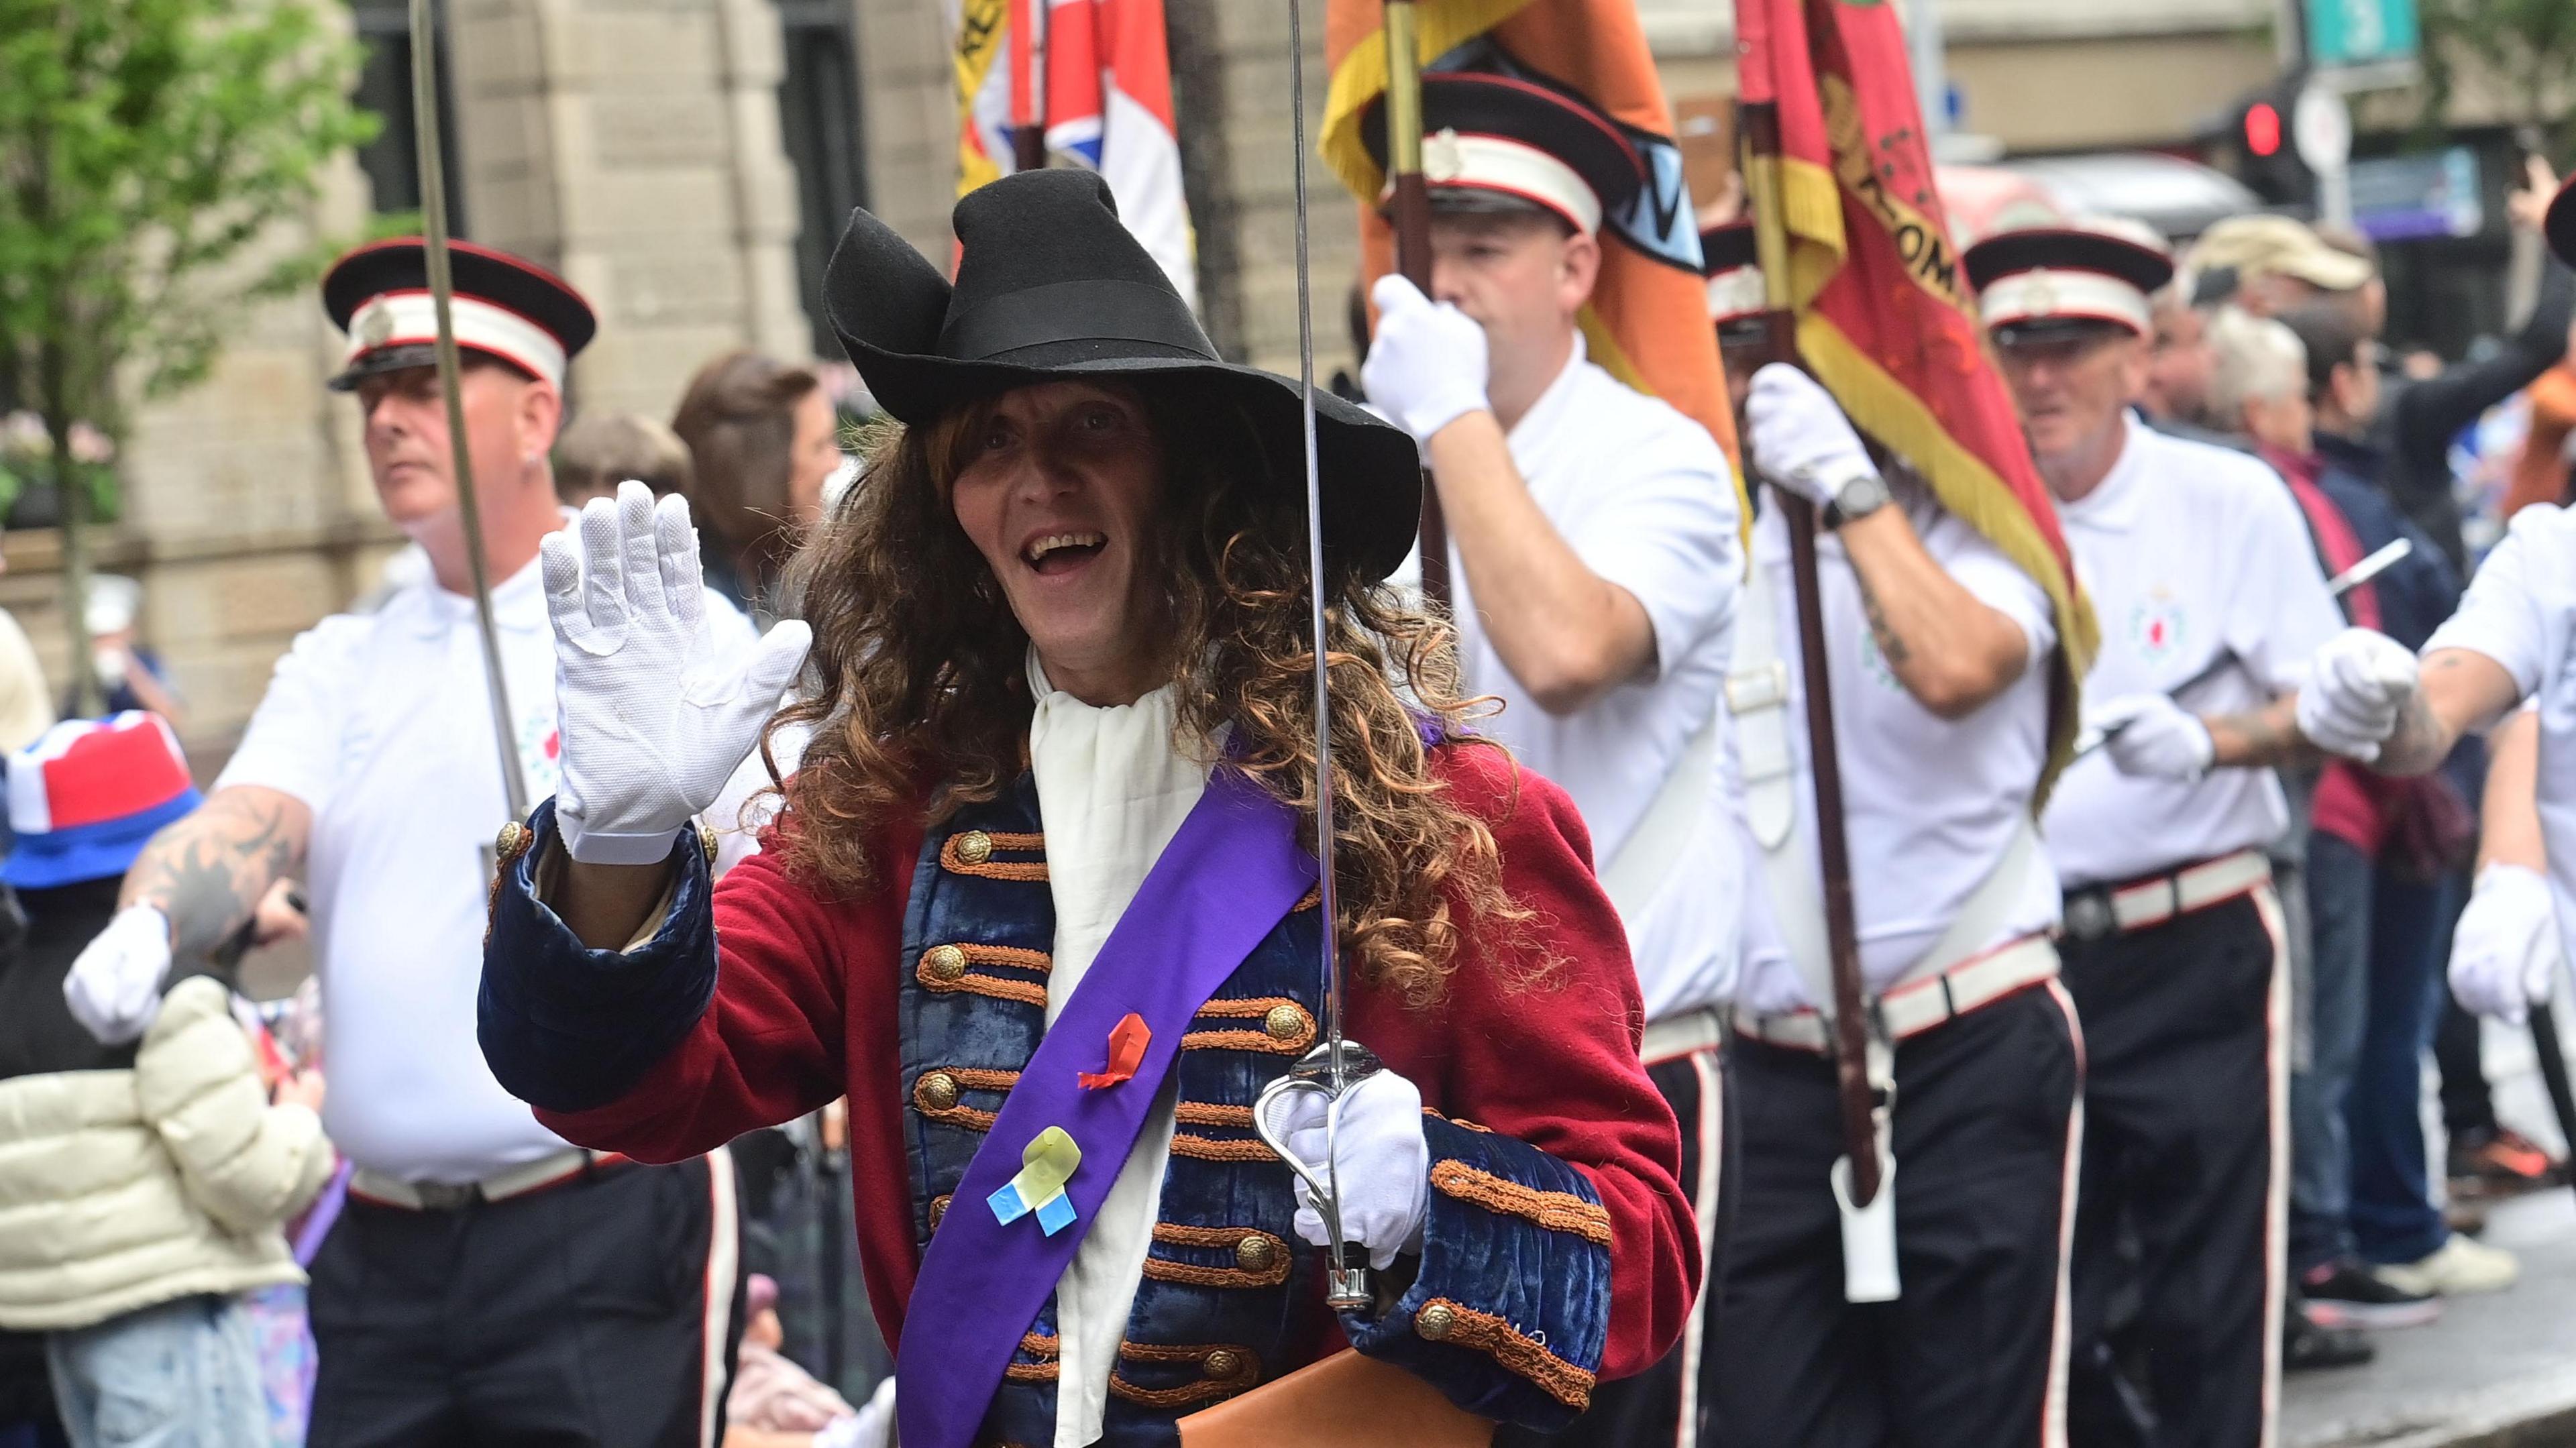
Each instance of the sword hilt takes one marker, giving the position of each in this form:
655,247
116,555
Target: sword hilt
1346,1287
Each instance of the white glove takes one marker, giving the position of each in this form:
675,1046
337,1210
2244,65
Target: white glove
1384,1163
114,987
2504,952
871,1427
2152,735
1426,365
652,722
1798,438
2358,683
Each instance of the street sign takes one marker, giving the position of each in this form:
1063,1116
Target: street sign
2321,128
2348,34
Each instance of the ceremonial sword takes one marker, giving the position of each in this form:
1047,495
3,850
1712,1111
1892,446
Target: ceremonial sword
442,292
2380,561
1334,1065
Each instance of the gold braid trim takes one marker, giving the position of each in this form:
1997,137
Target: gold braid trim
1223,1239
1036,1372
1209,1113
1026,992
968,1078
1556,1211
1208,1148
1514,1349
991,869
1254,1008
1205,1390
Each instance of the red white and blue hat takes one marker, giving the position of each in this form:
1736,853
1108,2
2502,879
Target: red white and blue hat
86,795
504,306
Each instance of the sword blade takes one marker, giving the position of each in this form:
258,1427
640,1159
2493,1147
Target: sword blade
442,292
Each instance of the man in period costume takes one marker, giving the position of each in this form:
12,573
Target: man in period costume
1594,560
1039,900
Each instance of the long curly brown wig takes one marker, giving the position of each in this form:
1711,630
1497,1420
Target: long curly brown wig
920,678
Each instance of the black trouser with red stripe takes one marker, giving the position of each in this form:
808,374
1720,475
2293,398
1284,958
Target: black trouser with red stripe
1671,1402
2184,1126
602,1313
1972,1354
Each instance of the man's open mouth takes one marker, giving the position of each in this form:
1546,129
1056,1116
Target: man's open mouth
1063,552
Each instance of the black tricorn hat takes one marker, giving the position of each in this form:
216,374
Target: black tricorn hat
1051,287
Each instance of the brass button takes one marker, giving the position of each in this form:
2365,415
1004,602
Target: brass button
974,847
1284,1023
1435,1321
938,1209
944,962
1255,1253
936,1091
1222,1363
512,842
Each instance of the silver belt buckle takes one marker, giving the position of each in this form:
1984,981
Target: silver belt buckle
446,1196
2089,915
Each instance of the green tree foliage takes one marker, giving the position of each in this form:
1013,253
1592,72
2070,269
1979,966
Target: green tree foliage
145,145
2528,47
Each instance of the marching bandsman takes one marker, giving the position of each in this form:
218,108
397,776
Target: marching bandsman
488,1281
2212,607
2512,643
1041,902
1940,649
1736,305
1594,563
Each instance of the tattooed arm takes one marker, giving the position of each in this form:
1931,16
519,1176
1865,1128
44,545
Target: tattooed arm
2267,738
2460,691
1949,649
207,872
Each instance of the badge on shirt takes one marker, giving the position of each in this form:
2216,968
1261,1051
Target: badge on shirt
2158,626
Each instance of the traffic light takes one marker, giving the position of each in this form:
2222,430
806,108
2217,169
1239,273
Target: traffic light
2252,143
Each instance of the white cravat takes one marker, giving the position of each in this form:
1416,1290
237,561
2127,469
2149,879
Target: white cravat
1112,791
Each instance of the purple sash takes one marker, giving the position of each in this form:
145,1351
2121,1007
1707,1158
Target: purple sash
1232,873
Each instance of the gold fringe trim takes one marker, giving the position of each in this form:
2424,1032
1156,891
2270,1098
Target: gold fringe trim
1556,1211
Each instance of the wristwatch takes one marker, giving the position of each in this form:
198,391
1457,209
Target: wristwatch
1857,496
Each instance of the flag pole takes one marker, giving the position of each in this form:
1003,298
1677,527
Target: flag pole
442,291
1862,1106
1408,214
1028,84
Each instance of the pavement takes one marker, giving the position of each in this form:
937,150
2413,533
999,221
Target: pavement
2497,1371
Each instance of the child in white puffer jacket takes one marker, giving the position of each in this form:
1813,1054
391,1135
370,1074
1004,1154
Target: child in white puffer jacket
142,1185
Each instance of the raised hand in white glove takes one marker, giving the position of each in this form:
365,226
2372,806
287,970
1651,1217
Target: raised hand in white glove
652,720
2504,952
2358,683
2152,735
1426,365
114,988
1384,1165
1798,438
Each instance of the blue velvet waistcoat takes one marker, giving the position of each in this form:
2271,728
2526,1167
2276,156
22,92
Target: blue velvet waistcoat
1229,1292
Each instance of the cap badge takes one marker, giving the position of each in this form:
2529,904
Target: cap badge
2039,295
1443,159
375,324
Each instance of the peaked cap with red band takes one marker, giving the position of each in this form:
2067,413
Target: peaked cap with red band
2052,277
1485,132
504,307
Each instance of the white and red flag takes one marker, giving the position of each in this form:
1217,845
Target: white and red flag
1095,78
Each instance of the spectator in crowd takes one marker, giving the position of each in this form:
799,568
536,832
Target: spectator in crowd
26,705
604,449
2540,470
2179,357
145,1183
130,675
764,440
